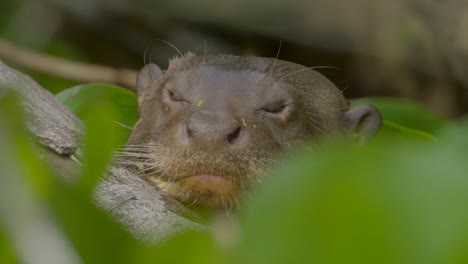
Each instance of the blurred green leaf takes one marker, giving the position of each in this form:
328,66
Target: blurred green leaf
6,252
387,202
79,98
191,248
102,137
96,237
82,97
26,186
38,176
455,133
92,232
404,113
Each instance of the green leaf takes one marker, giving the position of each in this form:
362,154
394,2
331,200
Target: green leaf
244,123
6,251
25,188
198,248
386,202
200,103
101,139
404,113
95,236
36,173
81,98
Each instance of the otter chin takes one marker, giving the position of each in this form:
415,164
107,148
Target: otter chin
205,189
210,126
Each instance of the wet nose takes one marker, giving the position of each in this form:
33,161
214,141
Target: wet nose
204,125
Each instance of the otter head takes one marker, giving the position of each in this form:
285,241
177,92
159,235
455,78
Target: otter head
209,126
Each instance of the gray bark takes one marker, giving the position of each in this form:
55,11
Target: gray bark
146,213
50,121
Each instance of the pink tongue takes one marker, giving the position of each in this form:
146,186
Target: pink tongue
210,183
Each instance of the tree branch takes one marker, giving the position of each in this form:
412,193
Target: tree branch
149,215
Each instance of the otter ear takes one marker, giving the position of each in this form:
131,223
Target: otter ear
363,122
145,78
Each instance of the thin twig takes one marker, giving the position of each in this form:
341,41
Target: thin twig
81,72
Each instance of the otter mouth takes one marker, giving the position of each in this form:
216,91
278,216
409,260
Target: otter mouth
199,177
206,179
206,189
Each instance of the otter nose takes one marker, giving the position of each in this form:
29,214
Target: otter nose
204,125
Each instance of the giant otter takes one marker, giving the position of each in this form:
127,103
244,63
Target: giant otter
209,125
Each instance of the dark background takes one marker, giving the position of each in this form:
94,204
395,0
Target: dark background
414,49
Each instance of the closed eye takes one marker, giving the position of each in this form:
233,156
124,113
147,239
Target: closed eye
173,96
275,108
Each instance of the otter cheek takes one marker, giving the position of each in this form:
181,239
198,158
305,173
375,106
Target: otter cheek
208,190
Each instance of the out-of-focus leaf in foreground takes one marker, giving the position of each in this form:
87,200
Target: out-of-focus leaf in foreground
81,98
387,202
96,237
188,248
6,252
25,221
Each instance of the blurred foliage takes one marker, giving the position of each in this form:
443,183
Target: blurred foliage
388,202
394,200
80,99
6,252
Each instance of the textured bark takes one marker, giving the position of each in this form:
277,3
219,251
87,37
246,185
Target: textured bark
149,215
50,121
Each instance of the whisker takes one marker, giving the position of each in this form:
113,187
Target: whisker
276,58
194,202
204,56
171,45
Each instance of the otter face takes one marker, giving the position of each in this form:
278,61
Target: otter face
209,126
